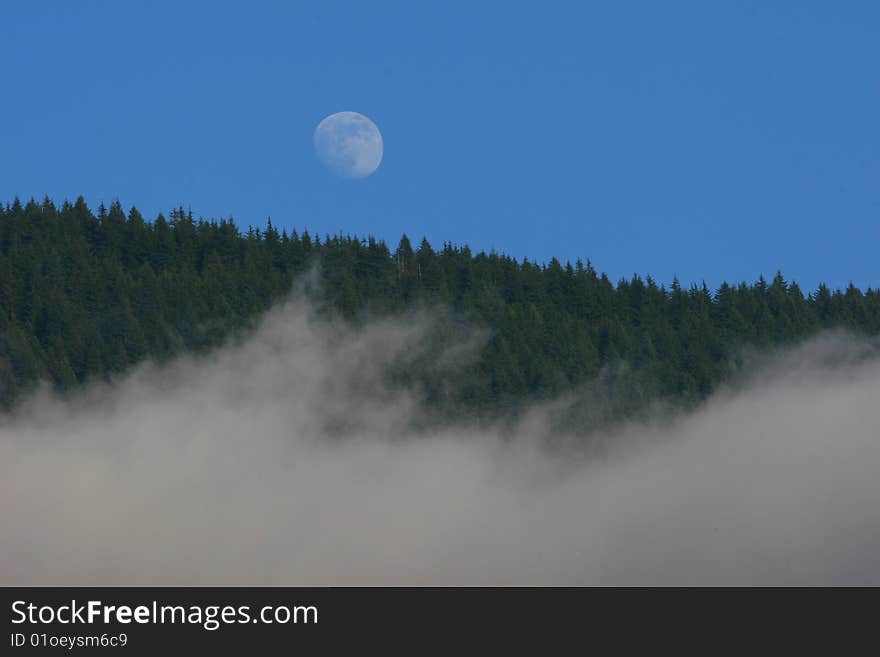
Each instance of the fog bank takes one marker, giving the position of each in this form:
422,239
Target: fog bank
285,461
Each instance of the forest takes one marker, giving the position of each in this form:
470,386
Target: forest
85,295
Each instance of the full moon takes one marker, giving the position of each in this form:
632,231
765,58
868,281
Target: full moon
349,144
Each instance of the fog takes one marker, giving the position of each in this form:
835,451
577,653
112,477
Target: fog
285,460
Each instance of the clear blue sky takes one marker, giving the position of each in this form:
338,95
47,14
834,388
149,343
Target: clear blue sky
712,140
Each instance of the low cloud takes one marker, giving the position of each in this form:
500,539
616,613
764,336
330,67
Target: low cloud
285,460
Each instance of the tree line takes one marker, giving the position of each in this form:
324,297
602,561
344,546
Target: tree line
85,295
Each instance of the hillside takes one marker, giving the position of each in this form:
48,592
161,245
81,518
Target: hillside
84,296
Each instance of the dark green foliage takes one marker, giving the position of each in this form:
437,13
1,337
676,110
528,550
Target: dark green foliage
83,297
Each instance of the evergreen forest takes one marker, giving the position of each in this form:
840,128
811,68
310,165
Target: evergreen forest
85,295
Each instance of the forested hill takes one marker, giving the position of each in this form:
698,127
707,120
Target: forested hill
84,295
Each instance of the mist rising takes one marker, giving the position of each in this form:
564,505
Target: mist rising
285,460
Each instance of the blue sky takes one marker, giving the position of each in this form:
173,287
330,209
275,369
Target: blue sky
708,140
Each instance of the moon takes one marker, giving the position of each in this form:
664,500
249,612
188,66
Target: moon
349,144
